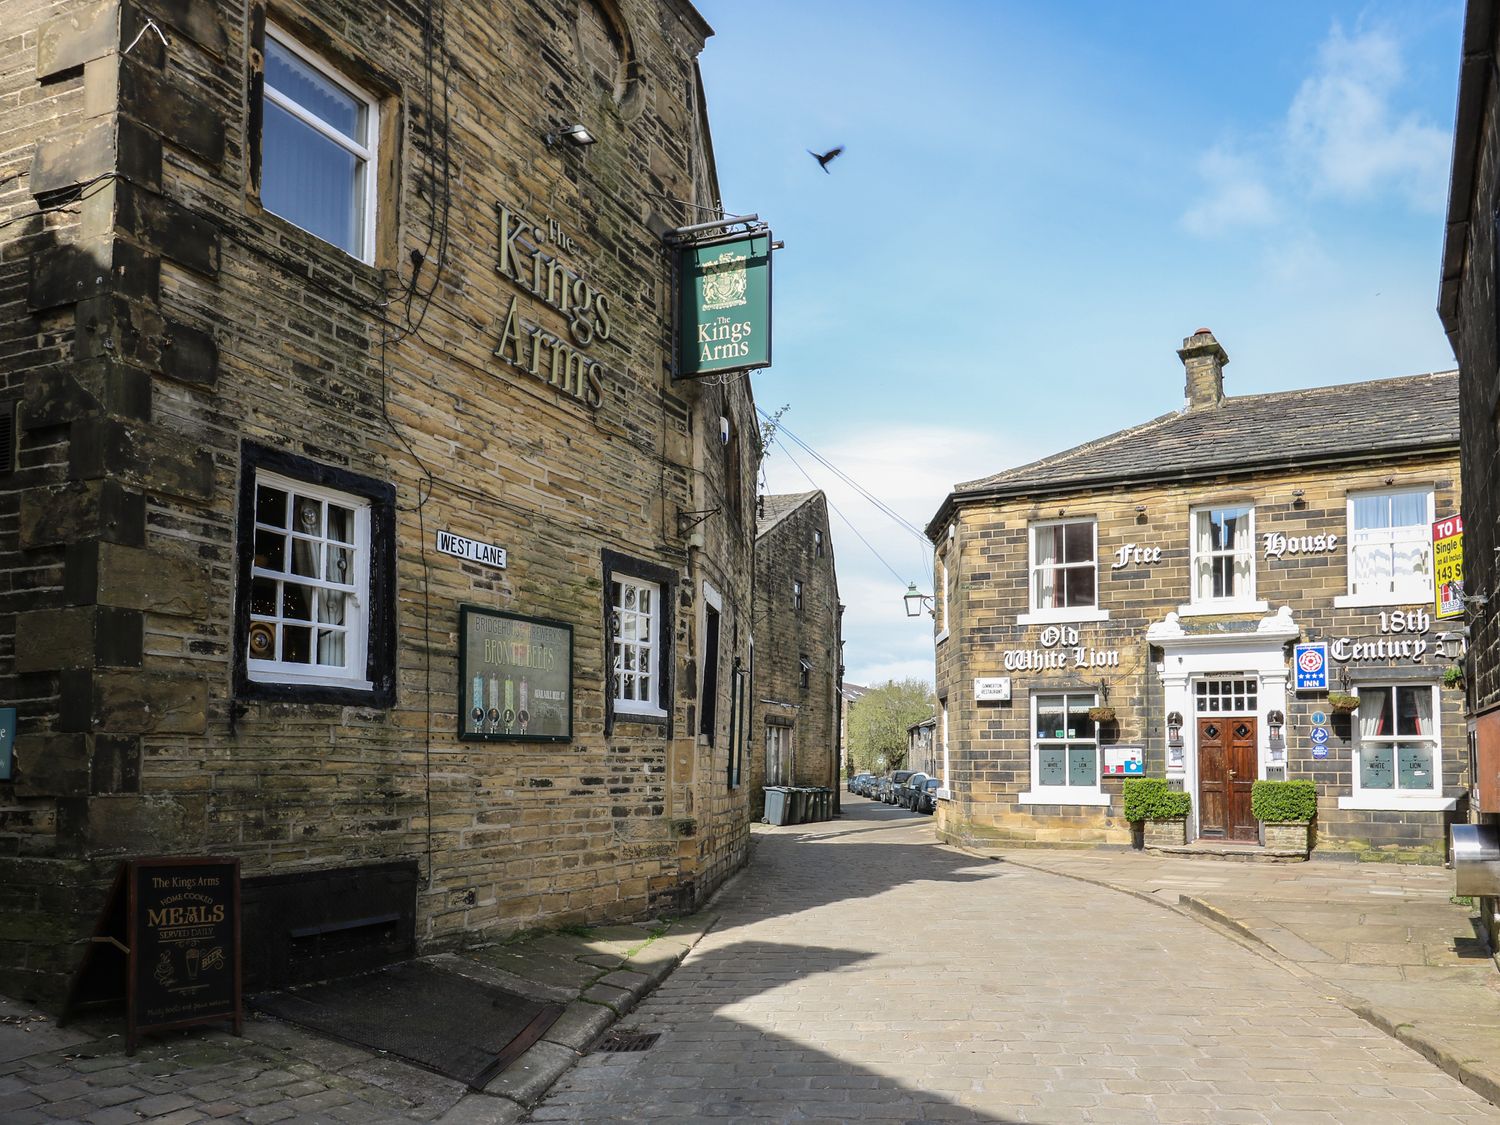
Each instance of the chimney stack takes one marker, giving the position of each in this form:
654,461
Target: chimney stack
1204,360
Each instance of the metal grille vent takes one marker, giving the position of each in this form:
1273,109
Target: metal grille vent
628,1040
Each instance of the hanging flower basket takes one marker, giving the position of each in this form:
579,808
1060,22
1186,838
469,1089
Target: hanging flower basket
1341,704
1102,714
1453,676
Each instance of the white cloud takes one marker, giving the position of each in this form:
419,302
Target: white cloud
1343,137
1237,196
1347,139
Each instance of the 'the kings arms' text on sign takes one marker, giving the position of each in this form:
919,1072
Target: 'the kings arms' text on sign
724,305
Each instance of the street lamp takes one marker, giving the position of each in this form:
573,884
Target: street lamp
916,602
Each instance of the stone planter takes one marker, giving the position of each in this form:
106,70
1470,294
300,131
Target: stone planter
1289,836
1166,833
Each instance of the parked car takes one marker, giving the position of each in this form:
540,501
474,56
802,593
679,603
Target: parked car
906,795
856,781
892,785
926,799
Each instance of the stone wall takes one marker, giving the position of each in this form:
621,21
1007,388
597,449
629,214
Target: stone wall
167,319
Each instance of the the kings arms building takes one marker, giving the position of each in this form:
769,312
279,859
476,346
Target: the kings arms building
355,523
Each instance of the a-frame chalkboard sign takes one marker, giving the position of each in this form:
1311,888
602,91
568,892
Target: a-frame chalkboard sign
168,940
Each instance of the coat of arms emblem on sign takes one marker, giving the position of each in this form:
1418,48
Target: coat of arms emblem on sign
724,283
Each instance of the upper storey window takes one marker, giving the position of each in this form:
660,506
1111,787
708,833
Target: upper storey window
1224,554
318,140
1063,570
1390,546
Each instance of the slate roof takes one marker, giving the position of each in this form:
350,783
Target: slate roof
774,509
1245,434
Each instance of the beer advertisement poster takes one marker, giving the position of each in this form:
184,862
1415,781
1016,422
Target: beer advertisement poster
515,677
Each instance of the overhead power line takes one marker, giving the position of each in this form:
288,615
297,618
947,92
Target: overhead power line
884,508
845,518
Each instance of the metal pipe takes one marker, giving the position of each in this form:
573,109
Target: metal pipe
677,233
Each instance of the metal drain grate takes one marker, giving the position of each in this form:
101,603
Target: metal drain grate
625,1040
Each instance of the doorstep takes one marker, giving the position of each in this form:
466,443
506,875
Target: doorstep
1241,853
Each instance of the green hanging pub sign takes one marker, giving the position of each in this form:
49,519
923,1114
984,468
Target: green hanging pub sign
724,305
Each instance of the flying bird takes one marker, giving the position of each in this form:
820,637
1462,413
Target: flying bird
826,157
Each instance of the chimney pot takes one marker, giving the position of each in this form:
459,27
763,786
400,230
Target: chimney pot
1204,361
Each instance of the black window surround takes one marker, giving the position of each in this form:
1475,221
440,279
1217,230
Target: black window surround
380,658
615,563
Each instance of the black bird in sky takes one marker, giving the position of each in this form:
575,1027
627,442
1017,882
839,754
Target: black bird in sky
826,157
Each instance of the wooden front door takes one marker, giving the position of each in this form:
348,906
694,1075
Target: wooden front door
1226,771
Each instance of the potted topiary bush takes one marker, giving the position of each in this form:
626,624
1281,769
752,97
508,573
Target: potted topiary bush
1162,810
1286,810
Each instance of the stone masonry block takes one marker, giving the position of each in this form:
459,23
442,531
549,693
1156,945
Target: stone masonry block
82,510
52,765
135,578
86,154
79,37
141,824
156,461
202,21
70,272
117,702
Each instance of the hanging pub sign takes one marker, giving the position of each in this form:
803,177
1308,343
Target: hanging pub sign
168,940
724,305
1448,566
515,677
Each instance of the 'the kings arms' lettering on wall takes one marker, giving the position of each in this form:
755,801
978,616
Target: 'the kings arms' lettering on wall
528,347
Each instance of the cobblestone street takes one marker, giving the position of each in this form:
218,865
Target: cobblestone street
861,973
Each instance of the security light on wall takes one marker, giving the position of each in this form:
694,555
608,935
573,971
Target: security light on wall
576,135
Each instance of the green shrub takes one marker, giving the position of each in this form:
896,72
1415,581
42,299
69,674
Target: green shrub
1151,798
1282,801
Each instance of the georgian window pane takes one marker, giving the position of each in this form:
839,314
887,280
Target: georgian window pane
1052,765
1083,765
635,652
1414,765
1049,717
1224,554
1375,770
1390,549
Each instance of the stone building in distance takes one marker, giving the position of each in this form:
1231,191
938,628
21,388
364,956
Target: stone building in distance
355,525
1133,605
798,646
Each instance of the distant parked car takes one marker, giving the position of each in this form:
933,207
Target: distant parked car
906,796
857,781
892,785
926,799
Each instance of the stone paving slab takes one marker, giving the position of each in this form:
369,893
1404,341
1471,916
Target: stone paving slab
277,1072
861,973
1387,940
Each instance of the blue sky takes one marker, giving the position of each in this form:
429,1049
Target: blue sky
1038,202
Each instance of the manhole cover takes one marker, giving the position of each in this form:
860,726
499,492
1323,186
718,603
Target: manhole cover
618,1041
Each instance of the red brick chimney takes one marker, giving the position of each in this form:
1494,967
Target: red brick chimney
1204,360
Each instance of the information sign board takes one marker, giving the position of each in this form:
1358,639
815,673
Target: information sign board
992,689
1124,761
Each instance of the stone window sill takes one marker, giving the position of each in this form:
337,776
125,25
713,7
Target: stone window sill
1385,802
1064,796
1079,616
1221,609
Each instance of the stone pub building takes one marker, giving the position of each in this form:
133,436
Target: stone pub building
1132,606
353,523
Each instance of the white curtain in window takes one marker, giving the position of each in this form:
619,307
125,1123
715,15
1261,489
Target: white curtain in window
1374,712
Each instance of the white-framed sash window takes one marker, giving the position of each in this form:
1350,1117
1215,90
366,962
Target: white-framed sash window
1390,547
318,148
637,646
1223,549
309,585
1063,572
